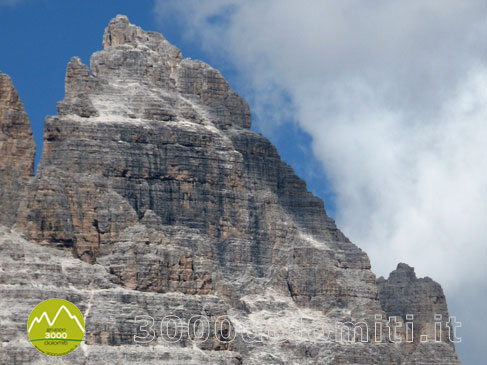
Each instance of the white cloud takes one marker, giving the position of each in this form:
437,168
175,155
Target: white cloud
394,95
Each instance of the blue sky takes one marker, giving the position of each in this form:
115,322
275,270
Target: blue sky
382,110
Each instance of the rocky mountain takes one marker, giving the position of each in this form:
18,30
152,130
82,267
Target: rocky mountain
154,198
17,150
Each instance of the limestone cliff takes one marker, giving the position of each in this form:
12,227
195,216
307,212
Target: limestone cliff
151,178
403,294
17,150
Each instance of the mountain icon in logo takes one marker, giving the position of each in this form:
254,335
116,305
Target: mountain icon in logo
51,324
56,327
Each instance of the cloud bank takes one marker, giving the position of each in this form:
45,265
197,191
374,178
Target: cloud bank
394,95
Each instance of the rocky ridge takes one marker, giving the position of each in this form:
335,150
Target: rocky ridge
17,150
153,197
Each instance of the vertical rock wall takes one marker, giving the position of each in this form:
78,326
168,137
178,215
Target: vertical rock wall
17,150
151,176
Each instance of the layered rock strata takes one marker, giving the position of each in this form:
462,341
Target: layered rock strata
17,150
151,178
417,301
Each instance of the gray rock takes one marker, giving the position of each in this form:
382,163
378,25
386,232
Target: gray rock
403,294
269,328
17,150
151,176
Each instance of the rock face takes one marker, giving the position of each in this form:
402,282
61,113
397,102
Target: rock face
403,294
151,178
17,150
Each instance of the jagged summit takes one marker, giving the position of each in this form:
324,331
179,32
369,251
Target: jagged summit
121,32
402,270
403,293
17,150
165,203
140,77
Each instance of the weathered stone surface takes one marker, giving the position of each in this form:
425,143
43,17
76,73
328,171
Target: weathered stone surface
151,176
403,294
149,131
270,328
17,150
31,273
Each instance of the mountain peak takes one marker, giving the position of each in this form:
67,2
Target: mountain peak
151,175
139,77
121,32
17,150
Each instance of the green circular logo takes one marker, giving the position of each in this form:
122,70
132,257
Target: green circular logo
56,327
